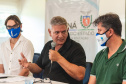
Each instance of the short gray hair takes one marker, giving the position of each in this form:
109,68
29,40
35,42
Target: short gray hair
58,20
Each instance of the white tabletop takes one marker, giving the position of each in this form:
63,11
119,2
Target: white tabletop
25,80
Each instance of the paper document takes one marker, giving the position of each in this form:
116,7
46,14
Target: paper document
6,76
13,79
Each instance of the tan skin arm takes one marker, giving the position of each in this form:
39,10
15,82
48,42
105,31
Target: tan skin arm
24,72
124,82
34,68
92,80
1,68
76,72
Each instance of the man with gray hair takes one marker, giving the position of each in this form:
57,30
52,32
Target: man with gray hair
66,63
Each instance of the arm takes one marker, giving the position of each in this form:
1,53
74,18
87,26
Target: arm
34,68
124,71
76,72
1,63
1,68
24,72
28,51
124,82
92,80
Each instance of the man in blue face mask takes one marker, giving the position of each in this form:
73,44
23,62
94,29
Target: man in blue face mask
11,49
14,31
109,66
102,39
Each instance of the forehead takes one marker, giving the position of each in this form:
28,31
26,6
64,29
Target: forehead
100,27
59,27
10,23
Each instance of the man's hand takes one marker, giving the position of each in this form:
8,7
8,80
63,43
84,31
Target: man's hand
23,62
54,55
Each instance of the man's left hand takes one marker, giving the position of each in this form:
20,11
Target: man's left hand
54,55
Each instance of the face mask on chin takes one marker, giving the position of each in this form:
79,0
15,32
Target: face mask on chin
14,32
102,39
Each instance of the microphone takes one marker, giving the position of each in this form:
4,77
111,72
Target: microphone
53,44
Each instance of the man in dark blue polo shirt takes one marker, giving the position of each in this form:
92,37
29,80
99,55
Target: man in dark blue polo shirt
68,58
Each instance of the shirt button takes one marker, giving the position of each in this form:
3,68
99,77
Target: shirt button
11,53
9,68
10,61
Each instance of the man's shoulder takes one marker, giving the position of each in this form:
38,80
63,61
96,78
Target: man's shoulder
23,39
48,42
100,53
74,43
5,43
76,47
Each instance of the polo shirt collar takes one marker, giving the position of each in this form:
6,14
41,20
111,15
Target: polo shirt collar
17,43
66,45
121,49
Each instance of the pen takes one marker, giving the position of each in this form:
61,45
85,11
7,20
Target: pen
2,77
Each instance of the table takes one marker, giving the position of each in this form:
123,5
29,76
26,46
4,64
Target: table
23,82
26,80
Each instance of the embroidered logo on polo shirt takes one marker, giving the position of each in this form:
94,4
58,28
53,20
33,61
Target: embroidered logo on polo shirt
117,64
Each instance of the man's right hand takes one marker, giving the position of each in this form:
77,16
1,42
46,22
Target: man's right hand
23,62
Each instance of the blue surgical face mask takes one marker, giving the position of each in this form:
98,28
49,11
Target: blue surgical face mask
14,32
102,39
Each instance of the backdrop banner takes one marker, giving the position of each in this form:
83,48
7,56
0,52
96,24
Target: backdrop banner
79,14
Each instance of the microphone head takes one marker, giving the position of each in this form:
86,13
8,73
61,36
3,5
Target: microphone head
53,44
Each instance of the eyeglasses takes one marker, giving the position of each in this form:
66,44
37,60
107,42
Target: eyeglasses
45,80
14,26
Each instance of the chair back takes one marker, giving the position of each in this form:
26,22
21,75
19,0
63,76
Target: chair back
87,73
35,58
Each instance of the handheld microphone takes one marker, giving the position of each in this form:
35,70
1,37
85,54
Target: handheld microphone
53,44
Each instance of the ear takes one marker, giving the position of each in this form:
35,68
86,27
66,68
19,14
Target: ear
49,32
21,26
67,29
111,31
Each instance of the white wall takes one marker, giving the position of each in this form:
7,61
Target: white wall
7,7
32,14
106,6
114,6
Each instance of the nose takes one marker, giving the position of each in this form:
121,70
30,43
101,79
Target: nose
60,34
98,32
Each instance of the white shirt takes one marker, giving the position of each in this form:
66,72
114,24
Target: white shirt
9,58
